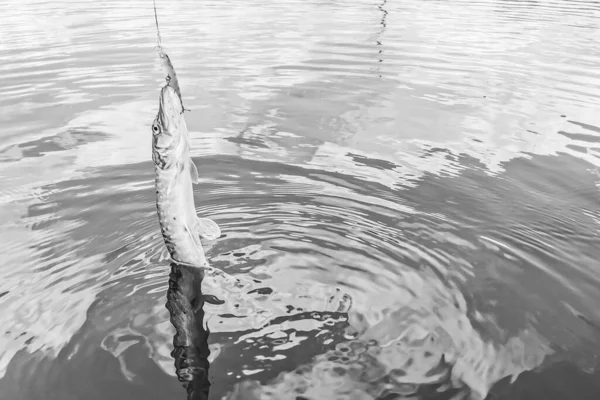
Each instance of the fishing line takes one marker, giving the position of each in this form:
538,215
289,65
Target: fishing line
158,38
166,61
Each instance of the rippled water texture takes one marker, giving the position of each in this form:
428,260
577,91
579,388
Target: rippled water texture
408,195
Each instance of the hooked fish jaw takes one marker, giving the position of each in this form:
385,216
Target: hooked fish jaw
170,108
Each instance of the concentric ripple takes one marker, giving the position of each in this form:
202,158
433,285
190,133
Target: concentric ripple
322,261
313,245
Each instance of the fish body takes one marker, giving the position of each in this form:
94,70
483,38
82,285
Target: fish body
175,173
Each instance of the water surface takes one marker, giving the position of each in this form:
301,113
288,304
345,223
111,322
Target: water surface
408,193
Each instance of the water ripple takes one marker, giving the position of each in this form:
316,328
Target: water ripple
407,192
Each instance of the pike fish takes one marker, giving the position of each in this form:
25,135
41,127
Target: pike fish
175,172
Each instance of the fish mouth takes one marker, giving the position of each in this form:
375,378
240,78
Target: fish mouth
170,110
162,54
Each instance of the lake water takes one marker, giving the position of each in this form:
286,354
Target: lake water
408,193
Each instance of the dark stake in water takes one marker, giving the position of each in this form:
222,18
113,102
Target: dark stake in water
408,194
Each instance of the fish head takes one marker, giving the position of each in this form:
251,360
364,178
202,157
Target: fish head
163,56
168,127
169,72
166,63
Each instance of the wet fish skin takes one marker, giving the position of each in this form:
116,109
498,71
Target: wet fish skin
170,75
175,173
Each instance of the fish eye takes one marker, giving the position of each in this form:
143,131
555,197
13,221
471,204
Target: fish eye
155,128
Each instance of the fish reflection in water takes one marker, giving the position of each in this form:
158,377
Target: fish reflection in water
185,303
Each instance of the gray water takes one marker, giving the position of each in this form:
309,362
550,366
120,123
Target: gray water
407,189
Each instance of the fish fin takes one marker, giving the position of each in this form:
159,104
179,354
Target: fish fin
194,238
207,229
172,184
194,172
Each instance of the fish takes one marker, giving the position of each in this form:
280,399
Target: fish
170,75
175,173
